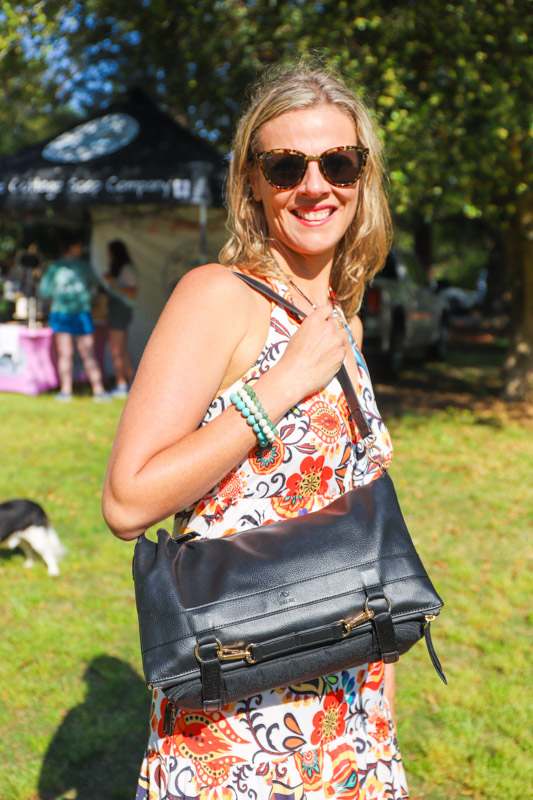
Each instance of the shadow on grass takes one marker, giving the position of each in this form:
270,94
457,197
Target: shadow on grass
96,752
470,378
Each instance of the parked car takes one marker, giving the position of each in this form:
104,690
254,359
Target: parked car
463,301
403,313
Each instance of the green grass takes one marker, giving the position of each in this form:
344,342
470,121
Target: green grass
73,706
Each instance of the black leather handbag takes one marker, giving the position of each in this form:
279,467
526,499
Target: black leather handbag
278,605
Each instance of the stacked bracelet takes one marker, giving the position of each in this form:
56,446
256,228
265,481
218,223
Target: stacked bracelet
246,401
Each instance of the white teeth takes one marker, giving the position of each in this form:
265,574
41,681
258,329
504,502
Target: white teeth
313,216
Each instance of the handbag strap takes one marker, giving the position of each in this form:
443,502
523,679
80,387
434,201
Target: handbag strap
342,375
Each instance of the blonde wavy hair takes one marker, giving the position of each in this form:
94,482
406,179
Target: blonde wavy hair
363,249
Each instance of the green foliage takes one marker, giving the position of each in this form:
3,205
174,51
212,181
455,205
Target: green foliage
450,82
28,94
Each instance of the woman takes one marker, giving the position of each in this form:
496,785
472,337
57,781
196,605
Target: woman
298,230
69,282
121,282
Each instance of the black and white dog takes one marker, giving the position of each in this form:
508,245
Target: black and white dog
24,524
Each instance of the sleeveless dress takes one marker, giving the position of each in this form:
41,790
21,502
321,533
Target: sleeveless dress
329,738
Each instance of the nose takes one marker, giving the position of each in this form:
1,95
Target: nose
314,184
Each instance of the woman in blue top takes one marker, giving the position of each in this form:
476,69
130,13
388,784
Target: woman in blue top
68,281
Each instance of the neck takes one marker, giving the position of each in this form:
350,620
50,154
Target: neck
312,274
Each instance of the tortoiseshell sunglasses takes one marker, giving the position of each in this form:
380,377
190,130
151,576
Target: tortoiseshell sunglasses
340,166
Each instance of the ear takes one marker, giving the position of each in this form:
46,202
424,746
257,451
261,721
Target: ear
254,177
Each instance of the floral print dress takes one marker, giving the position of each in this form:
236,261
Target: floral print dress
329,738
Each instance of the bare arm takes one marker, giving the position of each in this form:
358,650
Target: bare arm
206,338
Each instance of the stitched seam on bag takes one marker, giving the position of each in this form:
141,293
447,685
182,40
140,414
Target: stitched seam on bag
295,607
195,671
301,581
305,604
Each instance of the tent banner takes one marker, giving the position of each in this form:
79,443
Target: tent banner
129,153
113,189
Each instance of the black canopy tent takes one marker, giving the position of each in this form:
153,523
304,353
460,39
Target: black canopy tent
131,153
128,172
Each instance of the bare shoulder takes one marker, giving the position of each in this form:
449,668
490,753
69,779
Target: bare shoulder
211,282
209,296
356,327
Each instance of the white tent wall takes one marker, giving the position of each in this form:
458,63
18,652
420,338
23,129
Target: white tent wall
163,245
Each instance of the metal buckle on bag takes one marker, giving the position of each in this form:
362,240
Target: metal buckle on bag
389,605
429,618
230,653
370,446
350,624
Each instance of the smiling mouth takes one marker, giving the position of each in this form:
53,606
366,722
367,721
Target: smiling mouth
313,216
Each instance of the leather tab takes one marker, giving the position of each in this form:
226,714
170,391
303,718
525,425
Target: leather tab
169,719
211,673
297,641
383,624
433,655
384,630
185,537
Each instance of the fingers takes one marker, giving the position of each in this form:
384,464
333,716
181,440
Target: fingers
333,318
328,324
329,314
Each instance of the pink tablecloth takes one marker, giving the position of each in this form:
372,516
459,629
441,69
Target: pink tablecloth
28,358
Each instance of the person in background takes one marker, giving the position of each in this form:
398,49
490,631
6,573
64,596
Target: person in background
69,281
121,281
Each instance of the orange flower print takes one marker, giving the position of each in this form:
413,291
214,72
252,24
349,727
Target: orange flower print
345,413
215,794
232,486
264,460
208,741
324,422
373,788
345,778
303,487
282,790
374,677
309,765
329,723
378,725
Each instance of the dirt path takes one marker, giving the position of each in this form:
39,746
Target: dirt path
471,378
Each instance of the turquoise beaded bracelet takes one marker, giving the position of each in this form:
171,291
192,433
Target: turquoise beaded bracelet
246,401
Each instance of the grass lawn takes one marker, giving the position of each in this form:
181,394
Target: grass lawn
73,705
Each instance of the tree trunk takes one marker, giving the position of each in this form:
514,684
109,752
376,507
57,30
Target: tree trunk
423,242
518,367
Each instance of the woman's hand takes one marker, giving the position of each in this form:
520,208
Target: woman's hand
314,354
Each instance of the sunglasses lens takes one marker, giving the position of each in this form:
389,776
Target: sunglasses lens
343,167
284,169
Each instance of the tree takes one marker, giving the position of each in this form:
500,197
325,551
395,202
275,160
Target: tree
450,82
29,93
